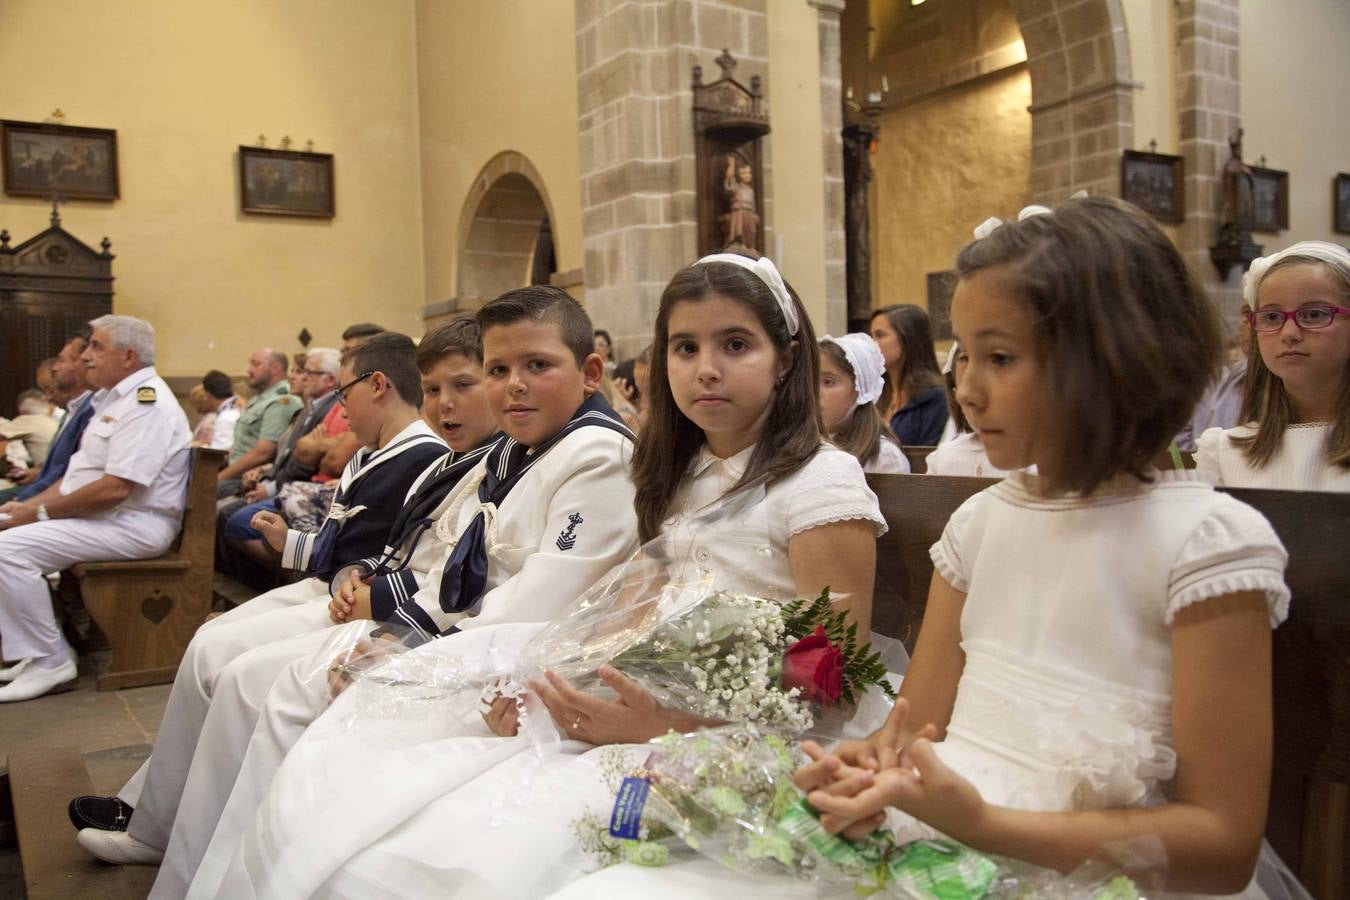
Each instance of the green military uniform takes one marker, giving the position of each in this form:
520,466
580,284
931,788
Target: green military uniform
265,418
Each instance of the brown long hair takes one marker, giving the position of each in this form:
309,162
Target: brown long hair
861,434
919,369
1127,338
1266,402
669,440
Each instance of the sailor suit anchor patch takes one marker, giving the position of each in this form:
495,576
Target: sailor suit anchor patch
568,539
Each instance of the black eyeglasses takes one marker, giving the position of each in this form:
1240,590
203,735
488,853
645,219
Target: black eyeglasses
342,391
1313,317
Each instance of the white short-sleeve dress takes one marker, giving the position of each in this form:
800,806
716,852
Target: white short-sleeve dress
1299,465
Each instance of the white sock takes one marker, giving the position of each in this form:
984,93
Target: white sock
50,662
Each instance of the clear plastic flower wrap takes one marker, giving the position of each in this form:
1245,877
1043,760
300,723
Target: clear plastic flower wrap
691,635
727,793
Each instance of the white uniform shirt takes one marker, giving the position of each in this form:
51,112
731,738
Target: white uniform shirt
138,437
530,577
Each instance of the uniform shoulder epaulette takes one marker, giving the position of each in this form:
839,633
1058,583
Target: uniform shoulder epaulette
146,394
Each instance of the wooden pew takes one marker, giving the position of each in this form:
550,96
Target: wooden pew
1309,816
149,609
918,458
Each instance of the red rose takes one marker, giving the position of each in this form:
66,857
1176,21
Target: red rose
815,667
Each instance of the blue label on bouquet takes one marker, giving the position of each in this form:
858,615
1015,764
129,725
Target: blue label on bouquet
626,820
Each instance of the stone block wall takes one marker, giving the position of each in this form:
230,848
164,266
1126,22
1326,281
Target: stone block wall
635,61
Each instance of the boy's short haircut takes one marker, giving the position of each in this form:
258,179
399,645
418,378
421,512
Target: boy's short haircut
362,330
543,303
217,384
393,354
462,336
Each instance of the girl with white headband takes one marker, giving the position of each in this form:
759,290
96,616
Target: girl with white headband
851,373
1297,400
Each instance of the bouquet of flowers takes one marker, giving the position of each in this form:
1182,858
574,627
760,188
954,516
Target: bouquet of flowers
741,658
727,793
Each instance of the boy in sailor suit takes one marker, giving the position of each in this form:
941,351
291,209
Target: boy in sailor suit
381,388
533,525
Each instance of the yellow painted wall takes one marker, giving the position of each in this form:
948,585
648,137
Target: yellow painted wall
495,76
1294,72
943,165
1151,25
797,149
184,83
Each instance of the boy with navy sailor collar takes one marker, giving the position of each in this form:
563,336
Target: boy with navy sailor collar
534,524
381,388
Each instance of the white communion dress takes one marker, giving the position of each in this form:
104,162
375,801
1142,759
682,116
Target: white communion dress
1064,703
369,803
1300,464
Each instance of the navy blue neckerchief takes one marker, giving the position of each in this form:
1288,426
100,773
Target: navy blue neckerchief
325,542
415,517
465,577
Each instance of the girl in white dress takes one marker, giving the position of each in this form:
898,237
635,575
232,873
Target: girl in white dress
963,454
1297,399
466,813
852,372
1094,665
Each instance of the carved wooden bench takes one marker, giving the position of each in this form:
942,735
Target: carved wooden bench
1309,817
150,608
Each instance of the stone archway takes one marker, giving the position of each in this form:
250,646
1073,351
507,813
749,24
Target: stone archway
1082,112
505,215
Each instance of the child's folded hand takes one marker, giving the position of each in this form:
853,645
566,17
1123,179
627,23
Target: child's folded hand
930,792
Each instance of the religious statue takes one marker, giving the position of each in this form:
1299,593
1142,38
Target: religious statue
1237,215
740,223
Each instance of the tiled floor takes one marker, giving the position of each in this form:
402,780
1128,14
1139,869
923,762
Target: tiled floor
114,731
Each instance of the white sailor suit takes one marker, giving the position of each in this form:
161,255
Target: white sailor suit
372,491
138,432
568,520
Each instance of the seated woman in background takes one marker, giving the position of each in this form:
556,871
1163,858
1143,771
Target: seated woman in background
963,454
912,398
851,376
1297,400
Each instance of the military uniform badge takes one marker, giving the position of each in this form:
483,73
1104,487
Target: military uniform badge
145,394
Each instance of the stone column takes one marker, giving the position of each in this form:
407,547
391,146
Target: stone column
838,297
635,60
1208,96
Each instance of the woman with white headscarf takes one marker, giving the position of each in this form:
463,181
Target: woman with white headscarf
851,375
1297,401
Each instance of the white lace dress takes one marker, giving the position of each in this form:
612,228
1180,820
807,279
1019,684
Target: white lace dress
442,807
1299,465
1065,699
962,455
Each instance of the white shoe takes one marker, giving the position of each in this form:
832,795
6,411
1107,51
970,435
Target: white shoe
119,848
35,680
9,673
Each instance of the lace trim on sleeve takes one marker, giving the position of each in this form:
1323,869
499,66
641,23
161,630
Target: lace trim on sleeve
1233,550
830,488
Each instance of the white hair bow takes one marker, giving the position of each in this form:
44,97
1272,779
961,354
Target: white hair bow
768,273
986,228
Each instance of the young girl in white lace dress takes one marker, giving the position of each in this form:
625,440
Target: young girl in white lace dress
1297,400
475,811
1094,665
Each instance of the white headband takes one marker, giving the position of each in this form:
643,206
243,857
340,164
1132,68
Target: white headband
864,357
768,273
1325,251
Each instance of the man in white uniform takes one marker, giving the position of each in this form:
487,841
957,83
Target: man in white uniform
121,498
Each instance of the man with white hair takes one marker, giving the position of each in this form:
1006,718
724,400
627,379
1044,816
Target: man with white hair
121,497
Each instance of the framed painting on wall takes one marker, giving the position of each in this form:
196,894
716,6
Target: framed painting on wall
1270,190
940,288
286,182
47,160
1340,202
1156,183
